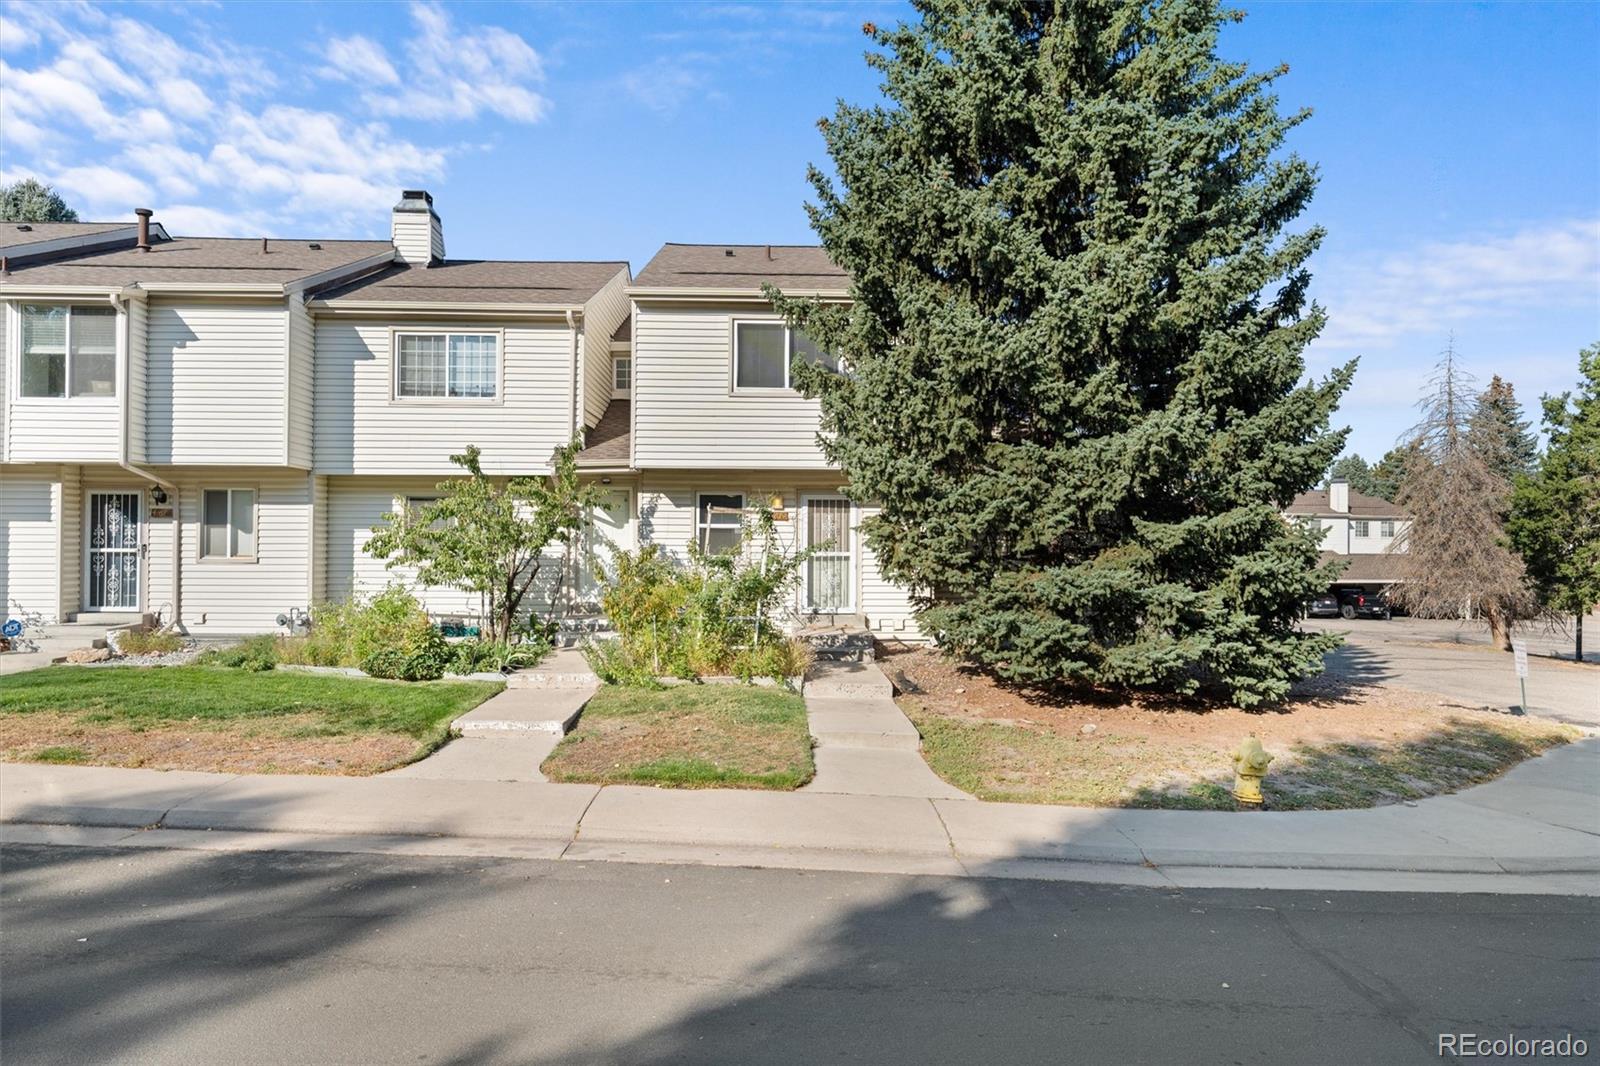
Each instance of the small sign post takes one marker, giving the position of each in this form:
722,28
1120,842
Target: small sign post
1519,652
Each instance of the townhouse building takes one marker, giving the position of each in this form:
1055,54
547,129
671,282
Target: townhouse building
205,430
1365,533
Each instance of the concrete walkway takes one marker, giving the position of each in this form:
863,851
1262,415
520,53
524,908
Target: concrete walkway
865,745
1537,829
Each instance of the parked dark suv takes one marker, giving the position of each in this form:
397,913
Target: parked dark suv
1357,603
1323,606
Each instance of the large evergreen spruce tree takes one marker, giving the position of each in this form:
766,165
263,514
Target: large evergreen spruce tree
1074,347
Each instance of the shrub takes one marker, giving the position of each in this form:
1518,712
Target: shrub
473,656
257,653
613,665
148,642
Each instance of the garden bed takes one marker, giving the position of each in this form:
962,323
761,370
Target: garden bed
1334,747
688,736
227,720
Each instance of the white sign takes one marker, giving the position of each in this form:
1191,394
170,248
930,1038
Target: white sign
1520,651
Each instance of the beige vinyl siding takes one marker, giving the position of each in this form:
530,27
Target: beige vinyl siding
318,590
882,604
30,545
70,527
159,534
5,382
302,358
685,412
138,378
362,429
216,383
601,316
354,506
226,596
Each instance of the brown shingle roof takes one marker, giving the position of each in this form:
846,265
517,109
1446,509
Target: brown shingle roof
480,281
742,266
199,260
1369,568
624,331
1361,506
16,234
608,444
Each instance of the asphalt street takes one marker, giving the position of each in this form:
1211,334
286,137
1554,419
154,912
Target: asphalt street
203,957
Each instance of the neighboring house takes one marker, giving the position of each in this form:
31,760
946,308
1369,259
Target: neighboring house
206,429
1367,533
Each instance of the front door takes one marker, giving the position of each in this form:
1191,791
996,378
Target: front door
112,581
830,577
610,529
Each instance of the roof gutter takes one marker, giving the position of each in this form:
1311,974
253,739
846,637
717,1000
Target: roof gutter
442,309
681,294
572,329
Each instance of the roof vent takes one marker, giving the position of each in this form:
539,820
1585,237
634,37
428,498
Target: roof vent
315,247
25,228
263,246
144,214
728,252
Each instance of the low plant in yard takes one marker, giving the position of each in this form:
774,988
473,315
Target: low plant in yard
479,656
721,613
257,653
148,642
688,736
208,717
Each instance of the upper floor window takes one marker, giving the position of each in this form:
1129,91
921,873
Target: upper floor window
622,373
764,351
449,366
69,351
1361,527
1386,528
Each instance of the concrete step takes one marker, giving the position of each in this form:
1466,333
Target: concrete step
520,711
861,723
846,680
878,772
562,668
839,642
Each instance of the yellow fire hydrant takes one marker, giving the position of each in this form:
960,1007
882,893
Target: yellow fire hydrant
1249,767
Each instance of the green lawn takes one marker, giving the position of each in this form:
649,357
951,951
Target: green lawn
688,736
212,717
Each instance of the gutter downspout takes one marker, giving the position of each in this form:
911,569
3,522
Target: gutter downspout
121,304
569,564
572,325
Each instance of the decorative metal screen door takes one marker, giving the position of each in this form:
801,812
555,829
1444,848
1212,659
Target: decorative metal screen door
113,551
830,586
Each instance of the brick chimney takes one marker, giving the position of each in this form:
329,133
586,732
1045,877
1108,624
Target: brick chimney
415,228
1339,496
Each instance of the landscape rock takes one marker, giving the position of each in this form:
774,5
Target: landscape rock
88,655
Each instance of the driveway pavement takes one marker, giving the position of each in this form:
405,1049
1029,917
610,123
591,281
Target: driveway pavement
1474,675
157,956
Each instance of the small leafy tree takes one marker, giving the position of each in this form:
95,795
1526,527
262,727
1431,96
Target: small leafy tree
491,536
1555,513
30,200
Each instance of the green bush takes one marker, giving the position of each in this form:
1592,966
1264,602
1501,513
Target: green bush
722,614
613,665
256,653
474,656
148,642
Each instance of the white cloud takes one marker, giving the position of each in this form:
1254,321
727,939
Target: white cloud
118,113
1440,286
359,59
14,36
453,72
668,83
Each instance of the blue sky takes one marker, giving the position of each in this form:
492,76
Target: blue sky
1459,144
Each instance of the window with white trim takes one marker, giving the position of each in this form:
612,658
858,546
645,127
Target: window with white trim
1386,528
447,366
68,351
1361,527
416,505
719,522
622,373
764,351
228,524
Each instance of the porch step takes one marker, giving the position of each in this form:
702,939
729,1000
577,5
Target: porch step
874,723
521,710
839,642
846,680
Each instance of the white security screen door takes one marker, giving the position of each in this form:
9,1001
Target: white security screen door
830,582
609,528
113,579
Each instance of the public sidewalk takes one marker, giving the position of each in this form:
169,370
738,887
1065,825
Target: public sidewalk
1537,829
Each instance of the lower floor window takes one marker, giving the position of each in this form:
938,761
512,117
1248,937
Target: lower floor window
228,524
719,522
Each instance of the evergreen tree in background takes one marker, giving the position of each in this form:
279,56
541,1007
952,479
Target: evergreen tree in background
1353,469
1555,513
1074,345
1388,473
1502,433
29,200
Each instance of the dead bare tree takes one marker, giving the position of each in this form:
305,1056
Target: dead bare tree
1456,553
